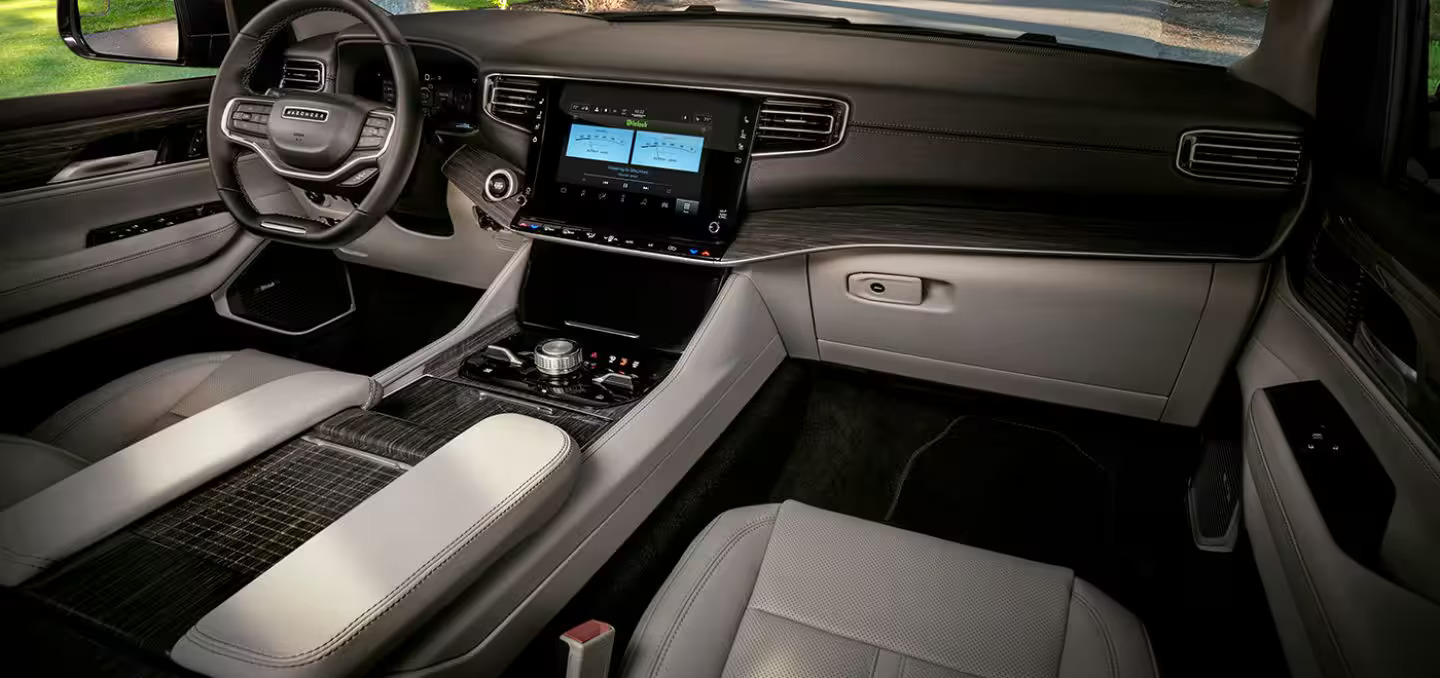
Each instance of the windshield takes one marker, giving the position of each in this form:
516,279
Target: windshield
1205,31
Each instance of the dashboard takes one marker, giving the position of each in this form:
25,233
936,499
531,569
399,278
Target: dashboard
771,143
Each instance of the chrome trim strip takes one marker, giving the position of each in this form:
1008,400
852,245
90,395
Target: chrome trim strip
603,330
280,168
1190,134
844,105
283,228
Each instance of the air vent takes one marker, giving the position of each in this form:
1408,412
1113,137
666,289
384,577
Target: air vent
1247,157
799,125
304,75
512,100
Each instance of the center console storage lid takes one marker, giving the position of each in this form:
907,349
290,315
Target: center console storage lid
335,604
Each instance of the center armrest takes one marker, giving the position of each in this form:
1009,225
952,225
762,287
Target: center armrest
338,601
123,487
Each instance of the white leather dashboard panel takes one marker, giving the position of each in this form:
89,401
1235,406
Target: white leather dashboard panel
337,602
115,491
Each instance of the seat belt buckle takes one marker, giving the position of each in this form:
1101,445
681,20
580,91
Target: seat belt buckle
588,649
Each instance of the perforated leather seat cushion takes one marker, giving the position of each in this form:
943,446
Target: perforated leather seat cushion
791,591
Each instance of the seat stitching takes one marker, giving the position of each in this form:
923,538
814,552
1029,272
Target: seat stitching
425,567
229,226
862,641
1289,533
1104,630
669,582
64,431
695,592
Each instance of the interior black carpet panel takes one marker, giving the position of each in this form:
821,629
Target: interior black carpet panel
151,582
1011,488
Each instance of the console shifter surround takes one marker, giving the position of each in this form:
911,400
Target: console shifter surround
592,373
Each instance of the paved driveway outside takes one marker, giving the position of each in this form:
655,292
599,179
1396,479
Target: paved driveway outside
1208,31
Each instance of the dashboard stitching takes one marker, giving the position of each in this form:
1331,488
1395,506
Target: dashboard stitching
962,136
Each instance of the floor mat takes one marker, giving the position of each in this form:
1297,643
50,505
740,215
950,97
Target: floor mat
1011,488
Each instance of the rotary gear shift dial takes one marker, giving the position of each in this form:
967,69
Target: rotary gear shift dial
557,357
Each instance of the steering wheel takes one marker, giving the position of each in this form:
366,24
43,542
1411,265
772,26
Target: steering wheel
315,140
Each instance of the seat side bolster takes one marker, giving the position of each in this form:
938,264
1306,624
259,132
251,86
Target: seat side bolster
716,576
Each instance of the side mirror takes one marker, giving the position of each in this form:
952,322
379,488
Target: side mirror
170,32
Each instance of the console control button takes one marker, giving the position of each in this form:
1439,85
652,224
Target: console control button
557,357
500,185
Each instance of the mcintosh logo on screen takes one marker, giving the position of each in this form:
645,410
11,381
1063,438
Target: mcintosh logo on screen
637,123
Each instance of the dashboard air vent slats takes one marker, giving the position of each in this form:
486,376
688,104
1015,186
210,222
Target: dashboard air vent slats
513,100
303,74
799,125
1248,157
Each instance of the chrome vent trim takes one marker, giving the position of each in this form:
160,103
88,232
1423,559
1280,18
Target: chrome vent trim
1244,157
791,125
512,100
303,74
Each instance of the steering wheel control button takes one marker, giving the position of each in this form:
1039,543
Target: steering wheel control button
500,185
557,357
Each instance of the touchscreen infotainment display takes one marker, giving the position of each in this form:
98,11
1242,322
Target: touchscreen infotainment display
641,162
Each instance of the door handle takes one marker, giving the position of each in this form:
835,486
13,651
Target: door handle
94,167
1399,375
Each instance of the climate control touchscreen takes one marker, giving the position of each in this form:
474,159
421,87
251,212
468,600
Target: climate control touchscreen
640,167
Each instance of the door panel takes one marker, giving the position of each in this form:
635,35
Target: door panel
89,254
44,258
1337,615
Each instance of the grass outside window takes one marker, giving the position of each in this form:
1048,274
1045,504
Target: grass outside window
33,60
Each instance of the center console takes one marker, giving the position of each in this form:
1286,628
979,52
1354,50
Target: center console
596,330
649,169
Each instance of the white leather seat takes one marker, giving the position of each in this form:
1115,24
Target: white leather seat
792,590
128,409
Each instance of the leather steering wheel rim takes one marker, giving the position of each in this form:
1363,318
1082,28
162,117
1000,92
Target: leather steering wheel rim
392,161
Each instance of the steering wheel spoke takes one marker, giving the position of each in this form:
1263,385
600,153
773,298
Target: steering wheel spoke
246,121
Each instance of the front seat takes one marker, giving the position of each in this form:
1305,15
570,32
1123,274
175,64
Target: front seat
128,409
791,590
